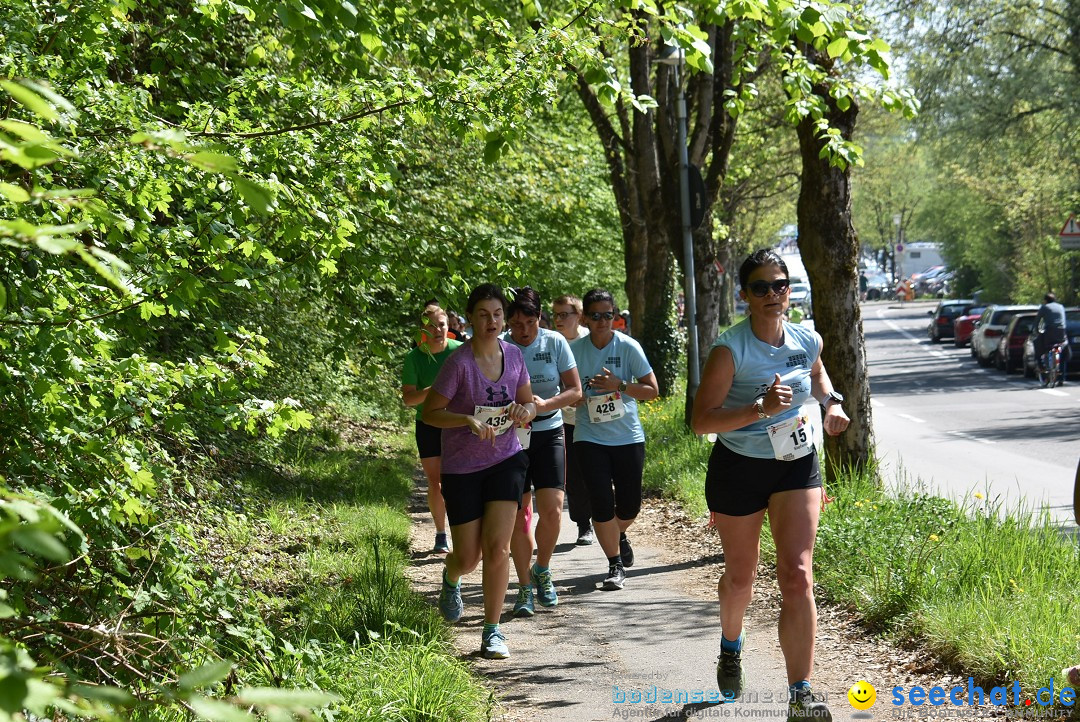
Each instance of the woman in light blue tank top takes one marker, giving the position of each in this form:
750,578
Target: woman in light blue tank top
758,375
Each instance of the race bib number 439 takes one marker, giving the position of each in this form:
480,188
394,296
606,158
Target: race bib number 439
791,438
494,416
606,408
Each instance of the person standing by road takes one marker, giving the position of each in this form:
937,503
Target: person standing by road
555,384
1050,327
609,439
567,312
757,377
481,392
422,363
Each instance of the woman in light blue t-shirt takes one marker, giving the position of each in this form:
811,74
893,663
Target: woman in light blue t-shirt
758,375
608,438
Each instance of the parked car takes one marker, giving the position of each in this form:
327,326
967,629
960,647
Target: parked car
799,297
1072,330
941,284
988,330
964,325
1010,351
942,317
921,281
878,286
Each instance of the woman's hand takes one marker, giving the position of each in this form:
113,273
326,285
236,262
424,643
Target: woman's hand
777,398
605,381
521,413
481,430
835,420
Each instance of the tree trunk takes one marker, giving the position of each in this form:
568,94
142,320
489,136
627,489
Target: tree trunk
829,247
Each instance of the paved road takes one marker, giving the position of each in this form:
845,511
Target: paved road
942,421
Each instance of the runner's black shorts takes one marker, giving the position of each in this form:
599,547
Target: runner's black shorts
613,478
547,460
739,485
466,494
428,440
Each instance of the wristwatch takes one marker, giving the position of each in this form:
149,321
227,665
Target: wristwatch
622,387
832,396
759,407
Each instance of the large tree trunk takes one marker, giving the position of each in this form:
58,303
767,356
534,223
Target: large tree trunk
829,247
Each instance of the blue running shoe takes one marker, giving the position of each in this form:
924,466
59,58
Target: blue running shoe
523,607
545,588
450,605
493,645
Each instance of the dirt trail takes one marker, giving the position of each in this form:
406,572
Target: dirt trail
576,661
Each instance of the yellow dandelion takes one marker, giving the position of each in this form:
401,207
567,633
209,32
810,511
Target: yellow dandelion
933,537
979,495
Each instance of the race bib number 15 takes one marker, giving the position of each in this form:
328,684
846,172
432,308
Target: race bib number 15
791,439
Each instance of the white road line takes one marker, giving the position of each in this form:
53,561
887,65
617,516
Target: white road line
969,437
913,338
1053,392
913,419
877,404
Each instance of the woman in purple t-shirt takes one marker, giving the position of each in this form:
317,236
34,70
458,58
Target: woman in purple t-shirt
482,393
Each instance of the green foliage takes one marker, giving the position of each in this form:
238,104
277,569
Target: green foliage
971,581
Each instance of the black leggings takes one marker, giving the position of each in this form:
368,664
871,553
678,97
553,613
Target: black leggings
577,494
613,477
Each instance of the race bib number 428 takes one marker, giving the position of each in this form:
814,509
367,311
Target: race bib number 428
606,408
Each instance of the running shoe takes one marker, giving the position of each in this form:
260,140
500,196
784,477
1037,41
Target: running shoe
523,607
450,605
441,547
729,674
545,588
805,707
585,535
616,577
493,645
626,551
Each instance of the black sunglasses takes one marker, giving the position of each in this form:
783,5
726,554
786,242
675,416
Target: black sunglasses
761,288
563,315
606,315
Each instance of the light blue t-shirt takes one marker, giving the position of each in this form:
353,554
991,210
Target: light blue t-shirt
547,357
623,357
756,363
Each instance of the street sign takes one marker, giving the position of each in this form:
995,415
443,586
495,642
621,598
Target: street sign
899,247
1069,238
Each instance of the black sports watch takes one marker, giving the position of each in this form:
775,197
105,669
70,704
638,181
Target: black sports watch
832,396
622,387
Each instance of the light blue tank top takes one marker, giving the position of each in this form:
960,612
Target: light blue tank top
546,358
756,363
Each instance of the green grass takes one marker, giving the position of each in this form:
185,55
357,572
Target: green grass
331,540
993,591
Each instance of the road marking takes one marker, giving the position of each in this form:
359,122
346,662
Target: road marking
877,404
1053,392
969,437
914,419
918,340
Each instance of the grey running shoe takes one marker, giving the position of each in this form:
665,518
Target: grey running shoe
729,674
441,547
493,645
585,535
523,607
616,577
626,552
450,605
545,588
805,707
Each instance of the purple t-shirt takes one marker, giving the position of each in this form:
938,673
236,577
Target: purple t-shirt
461,381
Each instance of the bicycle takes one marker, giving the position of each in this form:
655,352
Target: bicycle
1051,372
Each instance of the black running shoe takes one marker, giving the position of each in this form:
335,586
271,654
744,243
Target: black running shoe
585,535
616,577
805,707
626,552
729,674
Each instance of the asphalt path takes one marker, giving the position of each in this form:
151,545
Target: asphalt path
944,424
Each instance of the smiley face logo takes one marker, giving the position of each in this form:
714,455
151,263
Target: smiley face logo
862,695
